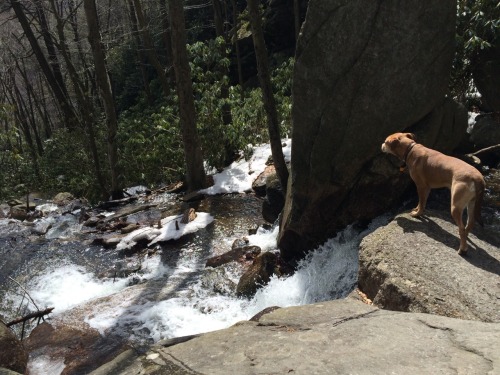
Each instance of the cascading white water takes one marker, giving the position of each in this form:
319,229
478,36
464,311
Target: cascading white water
329,272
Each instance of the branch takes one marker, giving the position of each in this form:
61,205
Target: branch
485,150
36,314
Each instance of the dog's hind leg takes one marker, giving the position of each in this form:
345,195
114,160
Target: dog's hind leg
470,216
456,214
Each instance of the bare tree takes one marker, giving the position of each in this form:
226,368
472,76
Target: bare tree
149,47
195,173
267,92
54,83
106,93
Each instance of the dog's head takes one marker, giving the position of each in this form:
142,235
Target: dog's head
398,143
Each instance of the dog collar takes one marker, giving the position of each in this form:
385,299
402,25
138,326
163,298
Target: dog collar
408,151
402,167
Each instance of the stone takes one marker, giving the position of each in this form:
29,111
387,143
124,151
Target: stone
362,71
13,355
188,216
486,78
260,272
81,349
412,265
486,131
232,255
63,199
259,184
275,199
18,212
334,337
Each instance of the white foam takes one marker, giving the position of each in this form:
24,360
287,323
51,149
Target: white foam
264,238
69,285
43,365
327,273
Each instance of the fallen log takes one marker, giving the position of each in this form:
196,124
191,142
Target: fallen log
37,314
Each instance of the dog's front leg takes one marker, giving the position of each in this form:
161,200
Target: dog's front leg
423,194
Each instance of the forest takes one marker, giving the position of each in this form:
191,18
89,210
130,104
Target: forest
96,96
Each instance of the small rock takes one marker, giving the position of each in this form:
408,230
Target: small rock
63,199
188,216
258,275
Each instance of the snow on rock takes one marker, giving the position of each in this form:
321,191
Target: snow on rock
168,231
239,176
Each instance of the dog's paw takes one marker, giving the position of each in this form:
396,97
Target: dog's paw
415,213
462,252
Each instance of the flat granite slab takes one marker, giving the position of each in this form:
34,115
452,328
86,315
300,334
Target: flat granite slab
412,264
334,337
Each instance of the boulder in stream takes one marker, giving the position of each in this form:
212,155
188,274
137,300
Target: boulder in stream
412,264
13,356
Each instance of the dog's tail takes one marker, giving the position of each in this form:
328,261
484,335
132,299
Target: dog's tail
480,186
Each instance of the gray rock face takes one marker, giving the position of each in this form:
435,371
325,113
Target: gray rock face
412,265
486,131
336,337
363,70
13,356
486,77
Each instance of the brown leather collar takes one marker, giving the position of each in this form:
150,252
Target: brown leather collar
408,151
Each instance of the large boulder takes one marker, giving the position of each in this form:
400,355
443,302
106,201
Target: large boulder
13,356
412,264
363,70
332,337
485,72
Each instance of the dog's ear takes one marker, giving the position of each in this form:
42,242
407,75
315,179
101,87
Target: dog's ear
411,136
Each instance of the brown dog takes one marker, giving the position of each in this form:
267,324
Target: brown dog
431,169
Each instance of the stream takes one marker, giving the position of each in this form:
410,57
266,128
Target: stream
165,291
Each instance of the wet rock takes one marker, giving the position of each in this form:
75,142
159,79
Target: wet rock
486,131
42,225
80,350
13,355
259,184
188,216
342,103
235,254
260,272
18,212
217,281
92,221
63,199
412,265
129,228
331,337
275,199
4,210
193,196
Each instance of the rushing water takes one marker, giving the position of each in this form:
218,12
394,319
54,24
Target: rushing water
171,292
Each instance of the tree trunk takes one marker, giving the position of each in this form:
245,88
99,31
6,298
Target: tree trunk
104,85
227,118
167,39
140,51
85,104
267,93
296,17
70,118
150,48
195,173
236,44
